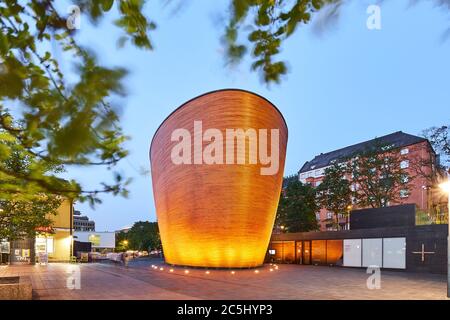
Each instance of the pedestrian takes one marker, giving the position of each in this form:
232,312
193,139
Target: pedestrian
125,259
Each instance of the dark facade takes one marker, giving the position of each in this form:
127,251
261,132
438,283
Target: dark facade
79,247
82,223
22,252
395,216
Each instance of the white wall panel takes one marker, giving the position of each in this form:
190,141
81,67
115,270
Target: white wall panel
394,253
372,252
352,253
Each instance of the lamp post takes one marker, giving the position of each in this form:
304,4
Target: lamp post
446,187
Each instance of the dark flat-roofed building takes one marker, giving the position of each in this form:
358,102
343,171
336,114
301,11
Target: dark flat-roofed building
82,223
387,238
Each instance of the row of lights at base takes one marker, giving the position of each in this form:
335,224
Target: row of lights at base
186,271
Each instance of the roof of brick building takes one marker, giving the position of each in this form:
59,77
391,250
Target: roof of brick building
396,140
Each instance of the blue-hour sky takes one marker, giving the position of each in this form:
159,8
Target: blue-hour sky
345,86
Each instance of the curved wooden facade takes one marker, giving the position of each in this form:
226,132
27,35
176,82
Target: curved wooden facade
217,215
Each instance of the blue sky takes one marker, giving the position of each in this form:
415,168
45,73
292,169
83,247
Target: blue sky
347,85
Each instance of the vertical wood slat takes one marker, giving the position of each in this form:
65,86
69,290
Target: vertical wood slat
216,215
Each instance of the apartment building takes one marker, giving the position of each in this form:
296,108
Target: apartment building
416,151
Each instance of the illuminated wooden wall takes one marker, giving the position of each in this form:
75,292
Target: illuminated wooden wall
216,215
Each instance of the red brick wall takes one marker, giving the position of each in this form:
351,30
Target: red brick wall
419,186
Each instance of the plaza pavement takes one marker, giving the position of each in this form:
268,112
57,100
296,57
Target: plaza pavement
142,281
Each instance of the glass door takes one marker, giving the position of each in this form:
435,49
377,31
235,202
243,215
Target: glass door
299,252
306,252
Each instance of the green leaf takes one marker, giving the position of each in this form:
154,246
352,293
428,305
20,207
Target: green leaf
107,5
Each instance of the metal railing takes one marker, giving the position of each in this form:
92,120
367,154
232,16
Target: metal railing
432,217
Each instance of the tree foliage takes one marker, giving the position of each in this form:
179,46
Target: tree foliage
62,122
143,235
334,193
121,241
377,176
21,216
270,23
439,138
265,25
297,207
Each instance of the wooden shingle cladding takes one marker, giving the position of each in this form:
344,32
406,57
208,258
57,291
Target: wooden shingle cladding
218,215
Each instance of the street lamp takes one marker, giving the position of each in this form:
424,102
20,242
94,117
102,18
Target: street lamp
446,188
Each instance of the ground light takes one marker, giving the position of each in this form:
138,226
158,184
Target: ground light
187,271
446,188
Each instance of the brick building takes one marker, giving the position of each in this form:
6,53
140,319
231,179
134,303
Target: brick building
418,155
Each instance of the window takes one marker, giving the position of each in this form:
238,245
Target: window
404,164
44,245
404,193
318,216
388,147
405,179
40,245
318,183
404,151
94,239
329,215
319,251
334,251
49,245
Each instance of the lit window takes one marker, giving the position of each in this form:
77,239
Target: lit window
404,164
49,245
404,193
404,151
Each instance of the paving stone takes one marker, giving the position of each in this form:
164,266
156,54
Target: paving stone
140,281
